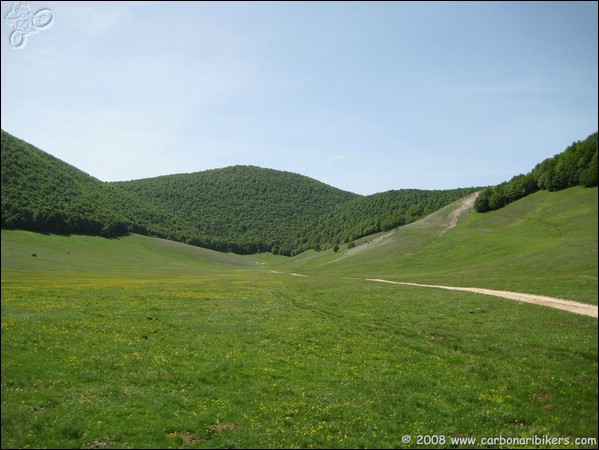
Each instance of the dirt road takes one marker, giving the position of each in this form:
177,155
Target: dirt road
584,309
567,305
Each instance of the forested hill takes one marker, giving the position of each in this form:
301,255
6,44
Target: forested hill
243,209
42,193
249,209
575,166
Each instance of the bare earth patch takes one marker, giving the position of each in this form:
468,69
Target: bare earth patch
104,442
189,438
217,428
465,207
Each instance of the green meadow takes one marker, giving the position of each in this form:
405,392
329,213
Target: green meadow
544,244
139,342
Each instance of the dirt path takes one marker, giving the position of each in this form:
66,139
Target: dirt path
465,207
584,309
290,273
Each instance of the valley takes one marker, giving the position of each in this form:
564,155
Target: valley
201,349
329,320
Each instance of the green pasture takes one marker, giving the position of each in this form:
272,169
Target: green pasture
543,244
143,343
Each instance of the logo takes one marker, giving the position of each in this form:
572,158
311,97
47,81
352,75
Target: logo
25,23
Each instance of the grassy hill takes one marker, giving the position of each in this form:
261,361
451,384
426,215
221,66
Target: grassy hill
363,216
545,243
575,166
62,257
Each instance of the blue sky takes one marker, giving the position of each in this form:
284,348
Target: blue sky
365,96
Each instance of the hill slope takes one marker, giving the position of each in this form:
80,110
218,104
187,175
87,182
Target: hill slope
575,166
41,192
243,209
58,258
545,243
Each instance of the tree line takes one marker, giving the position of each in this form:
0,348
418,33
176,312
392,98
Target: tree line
575,166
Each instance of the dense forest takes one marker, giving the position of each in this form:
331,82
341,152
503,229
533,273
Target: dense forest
575,166
247,209
42,193
242,209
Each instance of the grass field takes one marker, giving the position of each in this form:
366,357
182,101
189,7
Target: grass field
543,244
143,343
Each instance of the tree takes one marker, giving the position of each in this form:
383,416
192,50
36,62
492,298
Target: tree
588,177
496,201
481,204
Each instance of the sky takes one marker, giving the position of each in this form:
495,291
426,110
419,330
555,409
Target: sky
363,96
